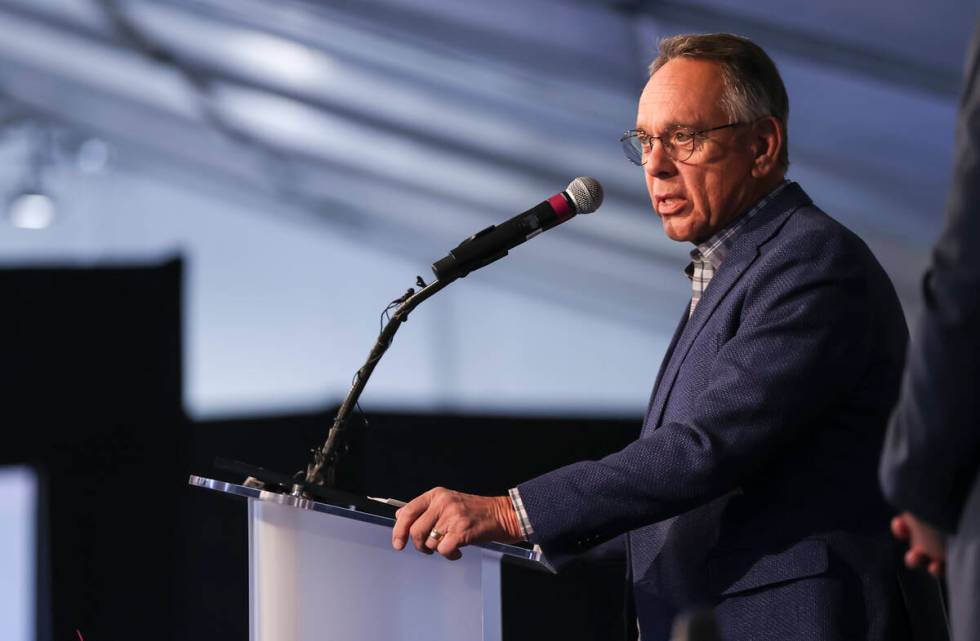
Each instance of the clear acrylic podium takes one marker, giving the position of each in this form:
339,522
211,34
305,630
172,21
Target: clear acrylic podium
321,572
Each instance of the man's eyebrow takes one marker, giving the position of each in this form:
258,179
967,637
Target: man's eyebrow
671,126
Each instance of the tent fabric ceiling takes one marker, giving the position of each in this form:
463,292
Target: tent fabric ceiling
432,119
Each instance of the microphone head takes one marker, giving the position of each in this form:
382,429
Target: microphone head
585,193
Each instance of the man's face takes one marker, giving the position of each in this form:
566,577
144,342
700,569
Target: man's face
699,196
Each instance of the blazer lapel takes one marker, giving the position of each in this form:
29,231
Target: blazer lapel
761,228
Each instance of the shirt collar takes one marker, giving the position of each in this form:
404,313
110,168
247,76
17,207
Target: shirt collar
716,248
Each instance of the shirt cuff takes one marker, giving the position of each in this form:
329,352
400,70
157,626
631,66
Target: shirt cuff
522,520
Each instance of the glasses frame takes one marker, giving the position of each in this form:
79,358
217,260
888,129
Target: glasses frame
697,135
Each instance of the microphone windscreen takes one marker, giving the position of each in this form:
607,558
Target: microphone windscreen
586,194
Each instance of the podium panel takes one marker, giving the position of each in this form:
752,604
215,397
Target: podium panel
314,577
321,572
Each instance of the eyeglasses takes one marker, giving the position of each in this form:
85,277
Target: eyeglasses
680,143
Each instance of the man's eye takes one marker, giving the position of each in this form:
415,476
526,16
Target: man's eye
681,137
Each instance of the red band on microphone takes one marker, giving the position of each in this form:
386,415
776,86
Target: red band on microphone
562,209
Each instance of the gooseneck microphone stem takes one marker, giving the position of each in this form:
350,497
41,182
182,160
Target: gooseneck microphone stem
328,454
582,196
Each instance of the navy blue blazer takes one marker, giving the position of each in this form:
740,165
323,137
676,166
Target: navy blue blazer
753,486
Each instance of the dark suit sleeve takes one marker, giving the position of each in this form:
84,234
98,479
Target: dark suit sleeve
799,346
933,446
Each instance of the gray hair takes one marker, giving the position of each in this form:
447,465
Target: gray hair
753,86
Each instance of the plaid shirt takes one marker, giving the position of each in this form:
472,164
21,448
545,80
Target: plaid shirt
707,257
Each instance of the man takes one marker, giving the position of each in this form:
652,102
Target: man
932,454
752,487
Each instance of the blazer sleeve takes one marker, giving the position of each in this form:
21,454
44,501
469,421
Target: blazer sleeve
802,337
932,450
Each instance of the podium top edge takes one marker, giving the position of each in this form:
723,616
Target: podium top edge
533,556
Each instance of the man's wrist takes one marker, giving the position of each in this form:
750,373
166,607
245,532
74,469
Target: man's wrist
506,518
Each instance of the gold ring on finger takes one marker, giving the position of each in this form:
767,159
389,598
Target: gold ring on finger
436,534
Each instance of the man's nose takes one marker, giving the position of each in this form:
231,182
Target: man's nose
658,163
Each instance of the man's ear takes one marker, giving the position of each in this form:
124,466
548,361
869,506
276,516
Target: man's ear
767,143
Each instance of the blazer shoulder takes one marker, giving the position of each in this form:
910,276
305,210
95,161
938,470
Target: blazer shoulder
811,234
811,248
794,225
811,222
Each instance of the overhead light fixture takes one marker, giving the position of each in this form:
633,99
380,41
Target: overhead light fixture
30,206
31,210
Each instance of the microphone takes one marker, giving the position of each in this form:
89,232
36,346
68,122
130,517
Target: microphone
582,196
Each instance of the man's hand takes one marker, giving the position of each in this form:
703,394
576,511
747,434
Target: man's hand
927,546
443,521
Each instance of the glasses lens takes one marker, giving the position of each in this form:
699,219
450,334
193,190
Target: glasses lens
632,148
682,145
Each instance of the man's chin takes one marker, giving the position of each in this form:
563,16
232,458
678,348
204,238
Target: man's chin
676,230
